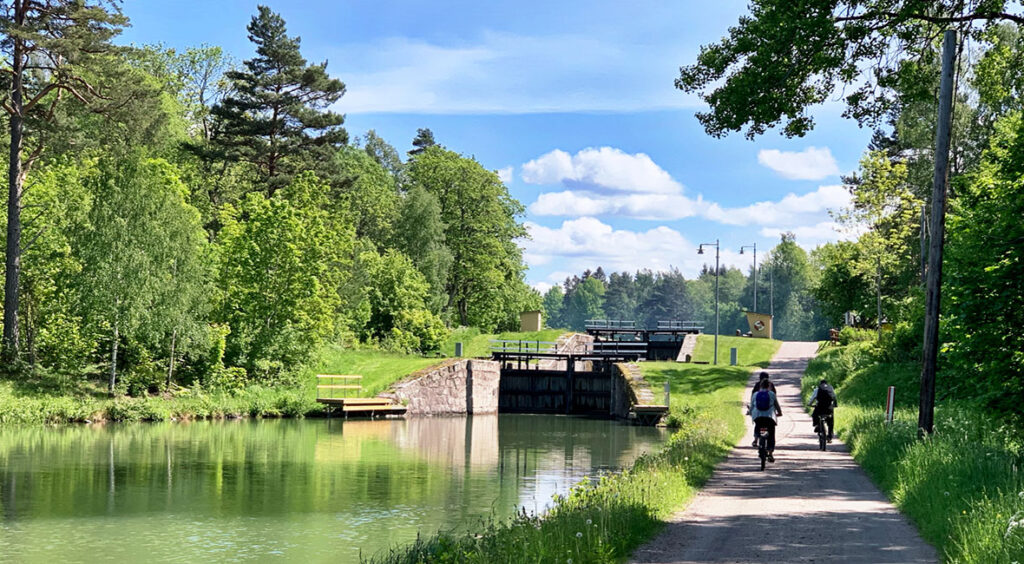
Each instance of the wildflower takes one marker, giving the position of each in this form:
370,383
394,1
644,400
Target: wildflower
589,522
579,535
947,494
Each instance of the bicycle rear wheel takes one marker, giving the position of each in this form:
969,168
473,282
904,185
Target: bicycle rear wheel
822,440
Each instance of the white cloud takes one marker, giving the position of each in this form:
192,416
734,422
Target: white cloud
639,206
609,182
506,73
810,164
542,287
792,209
505,174
603,169
811,236
587,242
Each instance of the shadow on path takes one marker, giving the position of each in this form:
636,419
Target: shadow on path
810,506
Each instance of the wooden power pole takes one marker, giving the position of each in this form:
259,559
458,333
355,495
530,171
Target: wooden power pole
933,288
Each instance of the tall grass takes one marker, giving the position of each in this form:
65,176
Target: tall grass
255,401
606,520
962,487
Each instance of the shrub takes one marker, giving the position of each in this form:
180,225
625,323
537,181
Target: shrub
856,335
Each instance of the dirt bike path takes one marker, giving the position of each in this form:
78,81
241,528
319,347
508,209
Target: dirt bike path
810,506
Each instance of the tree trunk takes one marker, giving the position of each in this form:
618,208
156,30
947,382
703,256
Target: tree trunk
170,364
13,254
113,360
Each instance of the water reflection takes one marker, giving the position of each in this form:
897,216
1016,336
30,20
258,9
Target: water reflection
315,490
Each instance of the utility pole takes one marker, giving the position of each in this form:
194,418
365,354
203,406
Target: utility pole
754,246
924,244
933,289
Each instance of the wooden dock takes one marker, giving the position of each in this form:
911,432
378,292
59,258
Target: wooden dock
326,394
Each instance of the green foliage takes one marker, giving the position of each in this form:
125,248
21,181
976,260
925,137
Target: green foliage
419,232
485,285
368,197
962,486
142,252
553,306
849,335
397,295
985,267
786,57
585,302
282,267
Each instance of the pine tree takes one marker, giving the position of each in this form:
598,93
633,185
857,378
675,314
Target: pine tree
47,44
423,141
277,118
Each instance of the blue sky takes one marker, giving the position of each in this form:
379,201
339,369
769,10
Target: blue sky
573,103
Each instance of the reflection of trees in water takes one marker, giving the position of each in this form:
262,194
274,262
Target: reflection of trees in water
413,474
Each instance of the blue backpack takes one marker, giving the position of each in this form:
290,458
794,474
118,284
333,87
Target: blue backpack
763,400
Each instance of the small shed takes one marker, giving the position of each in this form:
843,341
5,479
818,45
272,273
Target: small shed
530,321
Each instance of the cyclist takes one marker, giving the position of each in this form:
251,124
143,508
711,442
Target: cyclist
823,398
764,408
762,377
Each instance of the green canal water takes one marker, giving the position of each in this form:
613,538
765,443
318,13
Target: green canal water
278,490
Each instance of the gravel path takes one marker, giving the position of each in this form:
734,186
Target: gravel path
810,506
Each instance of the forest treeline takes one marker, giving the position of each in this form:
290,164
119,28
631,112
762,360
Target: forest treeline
180,216
786,280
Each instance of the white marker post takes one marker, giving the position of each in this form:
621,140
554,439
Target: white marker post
890,404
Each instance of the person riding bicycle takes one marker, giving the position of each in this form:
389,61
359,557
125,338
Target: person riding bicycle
762,377
764,408
823,398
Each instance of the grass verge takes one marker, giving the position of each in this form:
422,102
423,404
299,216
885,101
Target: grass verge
605,521
962,487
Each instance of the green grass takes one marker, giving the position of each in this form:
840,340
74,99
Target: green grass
695,388
963,487
21,407
380,369
605,521
476,344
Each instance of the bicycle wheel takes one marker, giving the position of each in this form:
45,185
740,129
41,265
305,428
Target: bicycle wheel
822,440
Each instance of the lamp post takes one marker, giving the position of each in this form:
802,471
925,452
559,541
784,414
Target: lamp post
700,251
754,246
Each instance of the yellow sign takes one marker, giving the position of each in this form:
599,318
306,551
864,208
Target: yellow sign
760,325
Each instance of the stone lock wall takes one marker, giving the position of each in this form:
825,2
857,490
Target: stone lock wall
457,386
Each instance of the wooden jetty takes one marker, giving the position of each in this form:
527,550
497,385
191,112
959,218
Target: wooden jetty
327,391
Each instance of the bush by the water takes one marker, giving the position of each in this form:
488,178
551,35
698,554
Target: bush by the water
963,486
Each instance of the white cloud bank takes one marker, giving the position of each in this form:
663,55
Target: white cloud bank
603,169
810,164
609,182
587,242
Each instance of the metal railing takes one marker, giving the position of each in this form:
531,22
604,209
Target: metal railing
609,324
499,345
680,325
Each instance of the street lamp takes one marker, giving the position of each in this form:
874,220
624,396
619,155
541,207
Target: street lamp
754,246
700,251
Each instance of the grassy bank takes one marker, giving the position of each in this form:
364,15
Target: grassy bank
33,401
963,487
25,406
605,521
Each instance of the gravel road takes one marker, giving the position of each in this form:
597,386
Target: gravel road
810,506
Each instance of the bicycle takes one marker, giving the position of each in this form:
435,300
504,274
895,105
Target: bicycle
823,430
762,445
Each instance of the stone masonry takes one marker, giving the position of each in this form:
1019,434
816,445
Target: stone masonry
456,386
